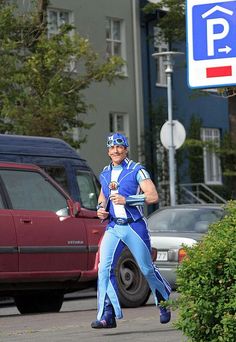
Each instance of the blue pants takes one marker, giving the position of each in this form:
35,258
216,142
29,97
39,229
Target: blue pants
136,237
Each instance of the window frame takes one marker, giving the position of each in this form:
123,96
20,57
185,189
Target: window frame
112,41
58,11
212,176
114,127
71,67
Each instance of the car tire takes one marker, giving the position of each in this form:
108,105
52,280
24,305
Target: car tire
39,303
132,286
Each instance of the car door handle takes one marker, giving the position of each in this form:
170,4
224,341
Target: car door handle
26,220
95,231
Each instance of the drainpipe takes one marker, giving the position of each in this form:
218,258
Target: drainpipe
138,74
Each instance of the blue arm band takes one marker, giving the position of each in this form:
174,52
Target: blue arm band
134,200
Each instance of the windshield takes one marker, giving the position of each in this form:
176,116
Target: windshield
88,188
184,220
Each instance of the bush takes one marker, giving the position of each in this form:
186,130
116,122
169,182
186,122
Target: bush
207,284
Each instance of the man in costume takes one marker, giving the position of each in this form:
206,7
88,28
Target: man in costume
125,188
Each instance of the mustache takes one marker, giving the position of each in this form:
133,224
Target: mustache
116,153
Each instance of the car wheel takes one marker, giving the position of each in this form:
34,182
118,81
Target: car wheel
133,287
39,303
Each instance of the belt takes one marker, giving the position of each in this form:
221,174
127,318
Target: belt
122,221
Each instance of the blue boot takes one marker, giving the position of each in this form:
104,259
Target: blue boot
165,315
107,320
104,324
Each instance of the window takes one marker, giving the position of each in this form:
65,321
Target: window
58,174
115,36
1,202
212,166
88,188
119,123
160,46
31,191
56,18
183,220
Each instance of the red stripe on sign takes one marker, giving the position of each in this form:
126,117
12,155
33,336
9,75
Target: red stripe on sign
219,71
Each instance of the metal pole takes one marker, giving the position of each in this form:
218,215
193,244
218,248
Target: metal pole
169,71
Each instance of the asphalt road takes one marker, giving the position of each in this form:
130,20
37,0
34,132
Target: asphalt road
72,324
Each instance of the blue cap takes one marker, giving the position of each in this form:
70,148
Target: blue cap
117,139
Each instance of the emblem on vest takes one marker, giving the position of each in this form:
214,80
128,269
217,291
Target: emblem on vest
113,185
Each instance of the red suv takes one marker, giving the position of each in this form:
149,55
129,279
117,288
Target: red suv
48,242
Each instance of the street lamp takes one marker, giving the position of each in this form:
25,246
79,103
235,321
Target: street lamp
169,71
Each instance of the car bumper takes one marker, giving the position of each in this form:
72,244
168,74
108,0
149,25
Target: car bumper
168,272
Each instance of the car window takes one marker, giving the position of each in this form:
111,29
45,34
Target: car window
58,173
88,189
31,191
1,202
184,220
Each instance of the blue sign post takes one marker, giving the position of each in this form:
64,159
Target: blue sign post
211,43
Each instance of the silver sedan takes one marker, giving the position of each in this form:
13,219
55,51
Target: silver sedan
172,227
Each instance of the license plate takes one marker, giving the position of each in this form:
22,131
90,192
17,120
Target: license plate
162,256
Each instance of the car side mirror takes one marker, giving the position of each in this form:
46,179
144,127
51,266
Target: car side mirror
76,209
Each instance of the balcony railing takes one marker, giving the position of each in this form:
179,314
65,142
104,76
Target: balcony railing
198,193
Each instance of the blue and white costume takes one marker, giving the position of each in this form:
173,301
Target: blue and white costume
127,226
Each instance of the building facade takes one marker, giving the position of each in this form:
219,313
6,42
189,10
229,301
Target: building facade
206,108
112,27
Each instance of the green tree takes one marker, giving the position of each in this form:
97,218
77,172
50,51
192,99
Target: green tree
42,79
172,23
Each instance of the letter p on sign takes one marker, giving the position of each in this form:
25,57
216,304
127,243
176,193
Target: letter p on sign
212,36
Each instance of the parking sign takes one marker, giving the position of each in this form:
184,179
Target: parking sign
211,43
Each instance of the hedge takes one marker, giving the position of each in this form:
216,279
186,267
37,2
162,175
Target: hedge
207,284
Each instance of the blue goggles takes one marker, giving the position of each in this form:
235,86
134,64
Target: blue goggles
117,141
